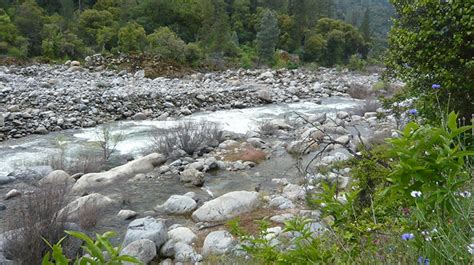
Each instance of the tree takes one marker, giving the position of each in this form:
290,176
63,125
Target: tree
29,19
365,26
166,44
131,38
92,22
11,42
431,43
315,48
267,36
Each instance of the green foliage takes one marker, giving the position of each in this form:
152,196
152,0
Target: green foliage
431,43
267,35
93,23
94,250
132,38
193,53
430,160
356,63
365,223
166,44
29,20
11,42
333,42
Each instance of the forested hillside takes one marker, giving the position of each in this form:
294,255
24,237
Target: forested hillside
248,31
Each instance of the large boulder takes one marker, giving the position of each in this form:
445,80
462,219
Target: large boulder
185,253
218,243
227,206
178,204
75,208
142,249
96,180
146,228
57,177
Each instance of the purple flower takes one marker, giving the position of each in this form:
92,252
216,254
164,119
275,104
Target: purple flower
423,261
435,86
408,236
412,112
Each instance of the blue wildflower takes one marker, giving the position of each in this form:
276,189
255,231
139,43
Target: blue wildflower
435,86
423,261
412,112
408,236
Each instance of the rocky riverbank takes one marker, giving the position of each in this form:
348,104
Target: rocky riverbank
44,98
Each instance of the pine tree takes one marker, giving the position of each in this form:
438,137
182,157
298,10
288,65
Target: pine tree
365,26
267,35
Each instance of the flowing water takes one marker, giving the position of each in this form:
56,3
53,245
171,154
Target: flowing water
143,196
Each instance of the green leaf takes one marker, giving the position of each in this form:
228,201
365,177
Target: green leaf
128,259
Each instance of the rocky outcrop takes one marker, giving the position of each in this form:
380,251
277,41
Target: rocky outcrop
93,181
227,206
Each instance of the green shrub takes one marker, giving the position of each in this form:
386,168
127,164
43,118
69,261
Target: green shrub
94,250
429,43
166,44
193,53
132,38
356,63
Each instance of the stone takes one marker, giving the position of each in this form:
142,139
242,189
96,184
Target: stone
93,181
342,115
76,207
281,203
193,176
75,63
2,207
182,234
344,139
6,179
41,130
218,243
265,95
142,249
294,192
178,204
184,252
13,108
146,228
256,142
139,74
57,177
281,218
227,206
127,214
318,117
139,117
12,194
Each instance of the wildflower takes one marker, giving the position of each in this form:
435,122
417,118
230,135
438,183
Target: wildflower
434,231
435,86
415,194
408,236
465,194
412,112
425,233
470,248
428,238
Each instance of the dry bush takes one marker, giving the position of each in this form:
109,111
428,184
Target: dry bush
247,153
86,162
360,92
89,216
190,136
267,128
34,218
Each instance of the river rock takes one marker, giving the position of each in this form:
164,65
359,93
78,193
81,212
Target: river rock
294,192
218,243
6,179
124,172
57,177
178,204
146,228
139,117
192,176
227,206
281,202
76,207
182,234
265,95
142,249
12,194
184,252
127,214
